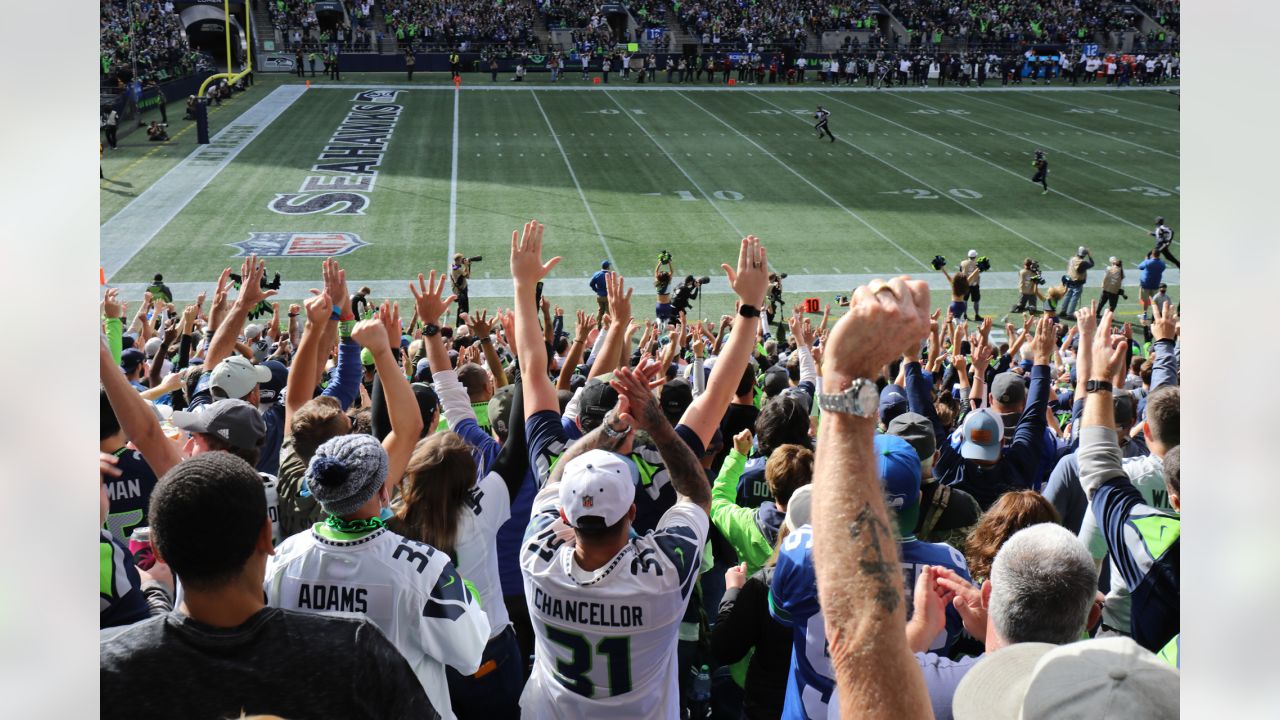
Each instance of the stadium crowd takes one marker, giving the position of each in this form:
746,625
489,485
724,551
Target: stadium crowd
147,32
325,510
453,24
298,26
1023,22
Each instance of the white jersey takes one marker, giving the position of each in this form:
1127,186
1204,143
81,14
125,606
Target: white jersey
605,640
269,483
408,589
487,507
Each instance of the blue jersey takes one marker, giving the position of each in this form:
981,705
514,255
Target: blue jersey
1150,272
793,601
753,491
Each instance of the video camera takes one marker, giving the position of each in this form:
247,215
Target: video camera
938,262
664,256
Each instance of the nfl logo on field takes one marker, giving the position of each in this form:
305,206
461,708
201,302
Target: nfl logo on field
298,244
379,96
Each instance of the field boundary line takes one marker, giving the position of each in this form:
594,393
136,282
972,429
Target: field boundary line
127,232
453,185
822,192
816,284
1119,117
1085,129
922,183
1014,135
574,177
1107,93
994,165
781,88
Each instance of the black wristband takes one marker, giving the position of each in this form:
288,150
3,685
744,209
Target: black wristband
748,311
1098,386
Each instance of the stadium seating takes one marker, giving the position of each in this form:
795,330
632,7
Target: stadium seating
153,37
432,23
930,21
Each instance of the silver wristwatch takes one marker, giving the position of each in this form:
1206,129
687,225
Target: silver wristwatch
861,399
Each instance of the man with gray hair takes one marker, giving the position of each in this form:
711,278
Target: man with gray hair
1042,590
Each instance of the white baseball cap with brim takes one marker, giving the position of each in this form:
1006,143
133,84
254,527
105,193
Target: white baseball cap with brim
237,377
1103,679
598,484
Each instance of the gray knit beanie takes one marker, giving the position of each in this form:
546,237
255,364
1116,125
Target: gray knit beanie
345,472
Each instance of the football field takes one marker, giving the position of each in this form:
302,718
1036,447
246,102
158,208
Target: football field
394,178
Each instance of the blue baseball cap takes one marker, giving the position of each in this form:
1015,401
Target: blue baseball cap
893,402
983,433
604,265
130,359
269,391
898,466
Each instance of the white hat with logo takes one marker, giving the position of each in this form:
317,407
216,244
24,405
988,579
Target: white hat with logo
598,484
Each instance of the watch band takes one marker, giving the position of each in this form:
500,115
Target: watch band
859,400
748,311
609,432
430,330
1098,386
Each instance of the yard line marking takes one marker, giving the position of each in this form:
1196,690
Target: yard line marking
1118,116
712,88
574,177
940,193
127,232
1077,127
654,140
1064,152
1116,96
1005,170
822,192
576,287
453,185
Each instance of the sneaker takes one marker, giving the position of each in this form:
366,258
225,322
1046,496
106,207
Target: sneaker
1046,192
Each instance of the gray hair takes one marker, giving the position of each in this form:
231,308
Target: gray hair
1043,583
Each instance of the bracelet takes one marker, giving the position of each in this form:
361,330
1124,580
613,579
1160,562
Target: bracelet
336,315
748,311
346,315
1094,386
345,327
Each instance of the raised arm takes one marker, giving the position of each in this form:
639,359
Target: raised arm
303,374
855,550
620,317
687,475
113,322
1164,328
580,332
135,416
166,341
402,406
527,269
749,281
482,328
251,293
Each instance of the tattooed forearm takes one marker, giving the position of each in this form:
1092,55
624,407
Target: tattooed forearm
867,529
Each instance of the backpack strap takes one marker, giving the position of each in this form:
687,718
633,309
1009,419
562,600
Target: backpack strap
940,500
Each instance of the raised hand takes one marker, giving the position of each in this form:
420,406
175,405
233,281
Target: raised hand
111,305
251,274
371,334
583,327
1045,341
319,308
751,278
428,298
480,324
636,387
619,296
527,267
742,442
1108,351
883,319
736,576
1164,323
389,314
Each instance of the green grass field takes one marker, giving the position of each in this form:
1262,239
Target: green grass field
620,173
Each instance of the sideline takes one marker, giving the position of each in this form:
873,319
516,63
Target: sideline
130,230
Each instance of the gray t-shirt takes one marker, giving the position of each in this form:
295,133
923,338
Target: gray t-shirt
289,664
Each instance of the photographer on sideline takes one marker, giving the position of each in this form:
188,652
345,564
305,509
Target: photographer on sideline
1029,282
1077,274
775,299
686,294
458,276
156,132
1112,284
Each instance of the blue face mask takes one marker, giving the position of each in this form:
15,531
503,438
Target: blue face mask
386,513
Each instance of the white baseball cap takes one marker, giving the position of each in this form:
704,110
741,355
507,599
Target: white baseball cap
237,377
1101,678
253,331
600,484
973,253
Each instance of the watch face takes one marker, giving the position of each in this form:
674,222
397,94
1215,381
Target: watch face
868,399
430,330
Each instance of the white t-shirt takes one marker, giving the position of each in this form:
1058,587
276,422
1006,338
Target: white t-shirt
488,506
269,483
408,589
605,640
